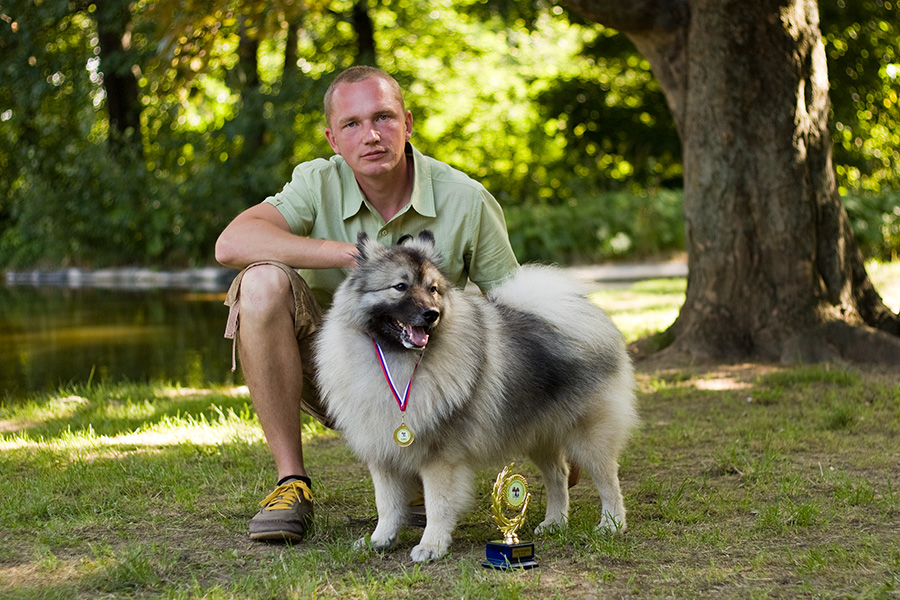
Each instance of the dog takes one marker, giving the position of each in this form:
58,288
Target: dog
534,368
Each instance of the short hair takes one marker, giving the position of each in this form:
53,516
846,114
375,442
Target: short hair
356,74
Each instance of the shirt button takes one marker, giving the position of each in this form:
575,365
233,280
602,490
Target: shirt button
382,233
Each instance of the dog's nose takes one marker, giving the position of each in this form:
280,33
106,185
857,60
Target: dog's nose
430,316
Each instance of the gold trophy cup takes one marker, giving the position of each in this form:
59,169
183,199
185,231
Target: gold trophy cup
510,492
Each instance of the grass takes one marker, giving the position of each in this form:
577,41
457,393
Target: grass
744,481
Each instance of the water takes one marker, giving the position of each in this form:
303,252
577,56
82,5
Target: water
54,337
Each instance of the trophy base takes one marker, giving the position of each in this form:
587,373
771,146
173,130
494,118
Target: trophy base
504,556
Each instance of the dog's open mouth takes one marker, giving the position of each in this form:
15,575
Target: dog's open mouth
410,335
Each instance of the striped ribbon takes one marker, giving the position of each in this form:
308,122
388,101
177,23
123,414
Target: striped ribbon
401,402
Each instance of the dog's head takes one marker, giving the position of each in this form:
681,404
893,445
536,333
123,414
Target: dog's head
398,291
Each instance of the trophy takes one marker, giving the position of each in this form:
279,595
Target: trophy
510,491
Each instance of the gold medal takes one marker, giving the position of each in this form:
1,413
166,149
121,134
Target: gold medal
403,436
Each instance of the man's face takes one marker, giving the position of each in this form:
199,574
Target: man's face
368,127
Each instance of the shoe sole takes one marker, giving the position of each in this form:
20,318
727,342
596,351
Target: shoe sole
270,536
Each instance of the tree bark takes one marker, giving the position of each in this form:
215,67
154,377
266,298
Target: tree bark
252,100
366,53
119,82
774,270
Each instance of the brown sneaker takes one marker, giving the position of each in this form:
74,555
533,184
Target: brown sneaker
286,514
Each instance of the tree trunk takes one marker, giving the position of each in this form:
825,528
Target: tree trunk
291,54
774,270
252,116
366,53
119,82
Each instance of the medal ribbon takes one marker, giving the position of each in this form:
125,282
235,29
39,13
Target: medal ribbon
401,402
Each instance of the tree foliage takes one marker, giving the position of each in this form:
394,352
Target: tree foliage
861,39
136,129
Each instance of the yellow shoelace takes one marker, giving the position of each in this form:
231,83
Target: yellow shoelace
285,496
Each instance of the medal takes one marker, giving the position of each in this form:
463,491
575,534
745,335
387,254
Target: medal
403,435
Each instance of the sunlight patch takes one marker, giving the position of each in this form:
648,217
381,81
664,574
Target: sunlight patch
721,384
198,433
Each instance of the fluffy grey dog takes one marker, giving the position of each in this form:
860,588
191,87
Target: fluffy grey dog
532,369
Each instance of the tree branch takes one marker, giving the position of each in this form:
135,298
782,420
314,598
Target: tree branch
634,16
659,30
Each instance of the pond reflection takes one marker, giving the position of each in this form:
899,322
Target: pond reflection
51,337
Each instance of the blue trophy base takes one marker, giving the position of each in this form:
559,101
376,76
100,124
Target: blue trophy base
509,556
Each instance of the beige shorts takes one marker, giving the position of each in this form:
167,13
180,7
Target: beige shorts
307,318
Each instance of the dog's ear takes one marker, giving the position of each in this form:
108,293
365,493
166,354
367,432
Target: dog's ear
367,247
361,238
424,243
362,241
427,237
424,236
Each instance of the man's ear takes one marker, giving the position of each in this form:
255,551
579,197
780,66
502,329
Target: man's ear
329,135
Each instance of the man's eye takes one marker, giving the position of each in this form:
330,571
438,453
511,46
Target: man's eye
401,287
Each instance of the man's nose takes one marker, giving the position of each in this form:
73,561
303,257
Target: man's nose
372,134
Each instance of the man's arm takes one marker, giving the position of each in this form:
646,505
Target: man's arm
261,233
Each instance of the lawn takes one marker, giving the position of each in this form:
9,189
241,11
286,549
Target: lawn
743,481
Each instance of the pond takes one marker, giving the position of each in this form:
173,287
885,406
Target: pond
53,337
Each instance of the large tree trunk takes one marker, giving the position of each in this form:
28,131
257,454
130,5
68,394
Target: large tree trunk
774,270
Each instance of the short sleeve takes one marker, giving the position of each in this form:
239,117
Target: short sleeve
492,258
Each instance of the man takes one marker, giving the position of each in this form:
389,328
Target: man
377,183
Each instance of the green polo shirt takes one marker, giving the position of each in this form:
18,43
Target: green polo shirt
324,201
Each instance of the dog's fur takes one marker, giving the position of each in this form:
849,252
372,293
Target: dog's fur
534,368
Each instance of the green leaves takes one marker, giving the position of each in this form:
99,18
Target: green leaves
550,113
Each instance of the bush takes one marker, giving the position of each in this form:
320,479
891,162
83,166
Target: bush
598,228
876,223
620,225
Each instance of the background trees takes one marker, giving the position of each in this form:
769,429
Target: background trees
133,131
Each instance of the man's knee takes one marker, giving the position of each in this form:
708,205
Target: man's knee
266,288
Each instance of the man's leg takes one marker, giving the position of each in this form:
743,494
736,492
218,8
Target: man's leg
270,360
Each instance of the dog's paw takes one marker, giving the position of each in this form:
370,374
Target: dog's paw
383,544
426,553
609,525
361,544
371,542
548,527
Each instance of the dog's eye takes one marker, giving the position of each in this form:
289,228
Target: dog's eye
434,289
401,287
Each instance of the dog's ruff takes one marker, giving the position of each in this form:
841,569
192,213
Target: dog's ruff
532,369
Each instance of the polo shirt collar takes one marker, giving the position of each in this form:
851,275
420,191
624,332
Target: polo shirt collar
422,199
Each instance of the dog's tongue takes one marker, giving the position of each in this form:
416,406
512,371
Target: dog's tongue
417,336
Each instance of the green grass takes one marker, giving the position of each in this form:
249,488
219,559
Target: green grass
743,481
642,308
